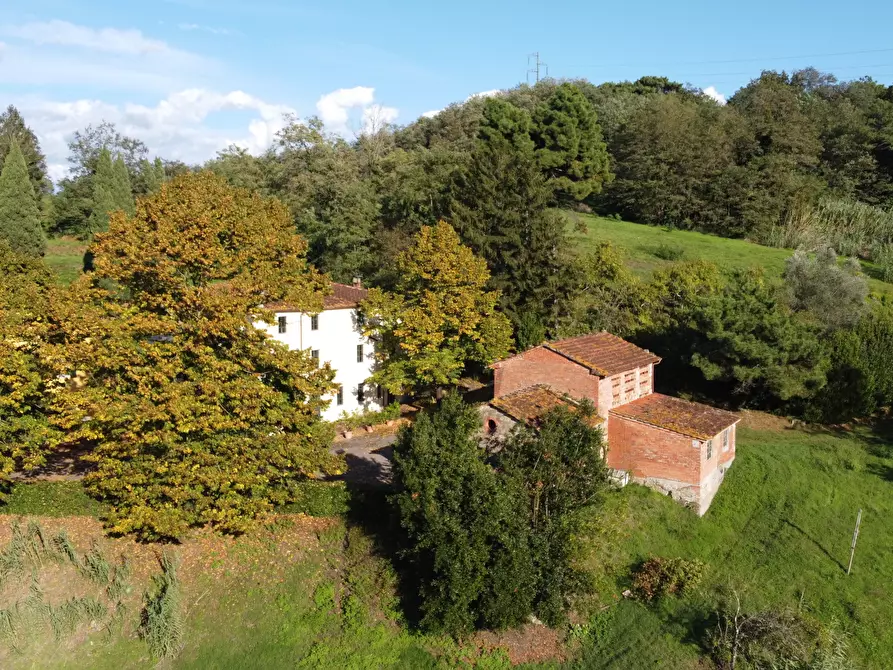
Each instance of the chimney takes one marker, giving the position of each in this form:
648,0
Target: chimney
357,282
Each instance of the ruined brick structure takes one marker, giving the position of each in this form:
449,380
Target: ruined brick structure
672,445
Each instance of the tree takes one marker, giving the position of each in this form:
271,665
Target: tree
744,338
19,212
832,295
464,525
320,180
14,131
501,208
150,177
506,126
196,418
26,386
569,144
86,146
561,466
439,319
111,191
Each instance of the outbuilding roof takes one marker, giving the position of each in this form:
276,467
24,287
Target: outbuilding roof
603,353
699,421
530,404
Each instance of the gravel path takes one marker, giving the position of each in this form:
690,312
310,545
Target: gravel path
368,459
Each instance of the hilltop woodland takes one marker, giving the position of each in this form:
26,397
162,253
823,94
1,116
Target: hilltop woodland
462,223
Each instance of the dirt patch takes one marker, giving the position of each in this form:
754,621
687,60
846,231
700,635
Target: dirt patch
532,643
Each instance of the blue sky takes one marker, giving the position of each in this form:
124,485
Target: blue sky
190,76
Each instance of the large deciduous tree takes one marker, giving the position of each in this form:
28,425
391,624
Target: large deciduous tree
439,319
26,386
569,144
19,212
196,417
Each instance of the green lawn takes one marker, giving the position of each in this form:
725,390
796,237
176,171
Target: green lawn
644,246
65,255
779,531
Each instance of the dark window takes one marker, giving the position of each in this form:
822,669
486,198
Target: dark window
361,394
314,354
491,426
282,324
339,399
359,353
314,322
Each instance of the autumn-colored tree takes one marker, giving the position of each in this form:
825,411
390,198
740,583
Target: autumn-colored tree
25,387
439,318
197,417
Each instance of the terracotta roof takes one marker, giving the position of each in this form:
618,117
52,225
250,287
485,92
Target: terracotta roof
680,416
531,403
603,353
341,297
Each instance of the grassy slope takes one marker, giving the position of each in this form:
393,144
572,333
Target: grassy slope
640,243
65,255
779,529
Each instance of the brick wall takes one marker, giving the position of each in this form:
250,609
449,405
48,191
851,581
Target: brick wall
541,366
650,452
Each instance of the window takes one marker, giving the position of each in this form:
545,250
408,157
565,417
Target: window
282,324
725,439
314,322
314,354
709,449
339,399
359,353
361,394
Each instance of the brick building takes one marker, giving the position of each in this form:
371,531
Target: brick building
678,447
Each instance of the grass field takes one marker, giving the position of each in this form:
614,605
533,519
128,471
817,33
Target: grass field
65,256
311,594
645,245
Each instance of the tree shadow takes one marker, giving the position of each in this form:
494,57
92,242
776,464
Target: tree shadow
815,542
370,509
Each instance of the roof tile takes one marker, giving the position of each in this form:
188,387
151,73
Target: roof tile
699,421
341,297
603,353
531,403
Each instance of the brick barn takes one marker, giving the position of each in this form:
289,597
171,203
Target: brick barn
672,445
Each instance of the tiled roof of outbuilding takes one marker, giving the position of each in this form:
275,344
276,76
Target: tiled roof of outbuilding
530,404
699,421
603,353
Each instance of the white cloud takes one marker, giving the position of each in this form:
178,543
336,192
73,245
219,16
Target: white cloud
111,40
484,94
191,27
711,92
62,53
431,114
335,109
175,128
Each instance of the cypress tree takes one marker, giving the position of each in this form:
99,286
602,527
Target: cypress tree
19,211
14,130
123,189
104,194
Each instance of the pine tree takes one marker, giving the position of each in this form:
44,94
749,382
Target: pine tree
14,130
501,209
19,211
104,194
123,189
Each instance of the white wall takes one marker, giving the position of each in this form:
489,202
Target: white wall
336,340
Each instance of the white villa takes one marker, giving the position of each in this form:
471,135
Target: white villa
334,336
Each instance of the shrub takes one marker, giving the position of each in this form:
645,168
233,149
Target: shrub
659,577
832,295
669,252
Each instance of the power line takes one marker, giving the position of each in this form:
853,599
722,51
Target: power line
536,69
749,60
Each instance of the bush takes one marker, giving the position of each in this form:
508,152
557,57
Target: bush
659,577
315,498
162,624
832,295
369,418
669,252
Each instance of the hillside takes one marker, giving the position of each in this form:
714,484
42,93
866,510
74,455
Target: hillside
650,247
